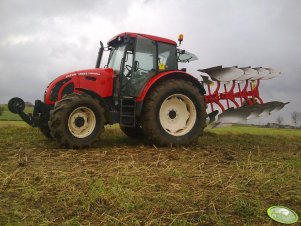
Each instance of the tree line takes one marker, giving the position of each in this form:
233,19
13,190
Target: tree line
295,117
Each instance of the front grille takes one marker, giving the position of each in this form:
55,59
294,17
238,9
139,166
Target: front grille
55,90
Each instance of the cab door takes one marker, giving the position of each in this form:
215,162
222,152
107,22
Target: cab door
144,66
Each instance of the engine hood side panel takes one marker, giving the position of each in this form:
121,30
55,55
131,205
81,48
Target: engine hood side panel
98,80
100,84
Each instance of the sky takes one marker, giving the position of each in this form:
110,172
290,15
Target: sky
40,40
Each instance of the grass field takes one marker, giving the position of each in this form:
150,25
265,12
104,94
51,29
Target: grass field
230,177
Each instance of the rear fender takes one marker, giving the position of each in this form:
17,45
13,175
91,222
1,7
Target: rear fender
154,81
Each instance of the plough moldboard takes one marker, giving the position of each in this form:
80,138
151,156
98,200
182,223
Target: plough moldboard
235,92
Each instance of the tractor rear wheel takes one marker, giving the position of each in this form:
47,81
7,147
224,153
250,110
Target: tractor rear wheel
77,120
174,113
133,132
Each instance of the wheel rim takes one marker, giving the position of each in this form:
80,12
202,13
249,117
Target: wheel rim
81,122
177,115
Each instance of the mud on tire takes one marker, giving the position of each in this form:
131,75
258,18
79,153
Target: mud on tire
46,132
76,121
174,113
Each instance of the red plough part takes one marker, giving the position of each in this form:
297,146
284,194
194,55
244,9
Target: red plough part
235,92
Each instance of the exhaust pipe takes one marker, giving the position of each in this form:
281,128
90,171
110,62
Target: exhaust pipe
99,57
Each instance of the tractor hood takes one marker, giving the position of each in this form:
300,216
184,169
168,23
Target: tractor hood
85,72
97,80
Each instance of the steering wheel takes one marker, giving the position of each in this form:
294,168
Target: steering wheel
129,68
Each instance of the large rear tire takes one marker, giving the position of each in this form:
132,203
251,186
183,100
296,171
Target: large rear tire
77,120
174,113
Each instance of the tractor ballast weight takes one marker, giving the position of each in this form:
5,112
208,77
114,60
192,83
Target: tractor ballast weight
142,89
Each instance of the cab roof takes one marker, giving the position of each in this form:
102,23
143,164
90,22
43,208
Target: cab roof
152,37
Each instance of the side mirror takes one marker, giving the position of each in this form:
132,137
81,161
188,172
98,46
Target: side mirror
136,65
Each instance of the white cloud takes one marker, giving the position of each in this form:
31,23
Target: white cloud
17,39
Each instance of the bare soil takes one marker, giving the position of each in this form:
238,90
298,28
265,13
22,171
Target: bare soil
226,179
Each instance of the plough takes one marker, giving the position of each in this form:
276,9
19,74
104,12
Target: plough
235,92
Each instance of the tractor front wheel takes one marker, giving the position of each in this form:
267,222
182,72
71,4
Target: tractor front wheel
77,120
45,127
174,113
46,132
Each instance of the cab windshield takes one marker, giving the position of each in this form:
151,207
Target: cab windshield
116,56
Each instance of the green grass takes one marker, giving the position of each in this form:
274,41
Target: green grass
5,124
7,115
230,177
258,131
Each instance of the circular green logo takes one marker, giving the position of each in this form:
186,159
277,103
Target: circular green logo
282,214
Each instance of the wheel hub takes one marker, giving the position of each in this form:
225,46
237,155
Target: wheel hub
177,115
172,114
79,121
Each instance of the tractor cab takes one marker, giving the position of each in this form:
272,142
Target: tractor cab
136,58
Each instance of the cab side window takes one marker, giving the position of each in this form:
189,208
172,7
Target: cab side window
167,57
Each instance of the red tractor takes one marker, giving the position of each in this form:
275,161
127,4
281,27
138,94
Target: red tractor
142,89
